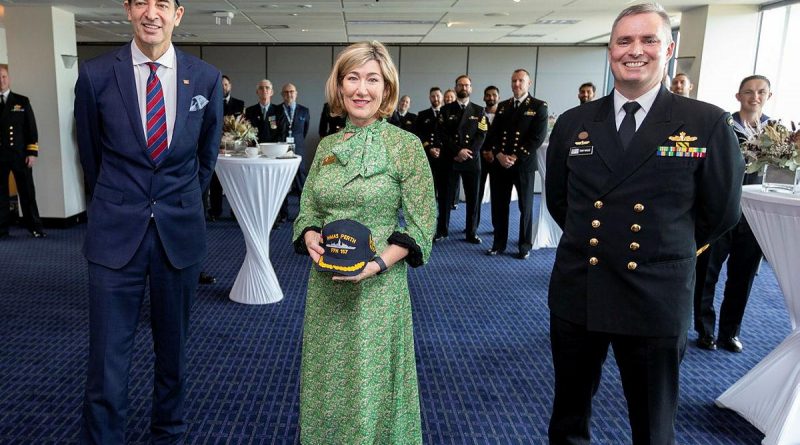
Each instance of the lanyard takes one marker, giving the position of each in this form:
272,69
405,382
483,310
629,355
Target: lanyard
290,117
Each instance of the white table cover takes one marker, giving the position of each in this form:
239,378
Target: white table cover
546,232
256,188
768,396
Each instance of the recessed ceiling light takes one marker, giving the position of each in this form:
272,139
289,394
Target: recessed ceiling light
304,6
391,22
294,14
516,1
304,30
556,22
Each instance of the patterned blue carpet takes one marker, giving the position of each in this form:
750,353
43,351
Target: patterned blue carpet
481,326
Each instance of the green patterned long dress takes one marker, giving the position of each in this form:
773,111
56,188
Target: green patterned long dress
358,372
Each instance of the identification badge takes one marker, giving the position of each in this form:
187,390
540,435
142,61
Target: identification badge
330,159
581,151
290,139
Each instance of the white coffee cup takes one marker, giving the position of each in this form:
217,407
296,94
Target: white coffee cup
251,152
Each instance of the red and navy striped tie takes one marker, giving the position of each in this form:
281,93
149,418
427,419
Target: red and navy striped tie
156,116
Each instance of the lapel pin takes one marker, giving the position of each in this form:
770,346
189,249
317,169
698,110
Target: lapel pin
186,81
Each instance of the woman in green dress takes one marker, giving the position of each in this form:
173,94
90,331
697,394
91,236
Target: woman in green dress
358,374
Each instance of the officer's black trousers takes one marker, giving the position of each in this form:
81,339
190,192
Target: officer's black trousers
444,194
471,181
521,175
485,166
743,253
12,161
649,369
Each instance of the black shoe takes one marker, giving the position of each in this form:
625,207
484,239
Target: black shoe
206,278
707,342
523,255
732,344
439,238
493,252
38,234
474,240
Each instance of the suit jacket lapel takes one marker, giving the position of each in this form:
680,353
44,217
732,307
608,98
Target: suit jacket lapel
603,134
657,126
185,90
123,70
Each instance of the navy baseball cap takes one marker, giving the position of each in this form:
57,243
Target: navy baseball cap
348,247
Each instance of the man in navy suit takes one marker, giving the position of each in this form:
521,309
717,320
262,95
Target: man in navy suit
638,180
149,121
294,128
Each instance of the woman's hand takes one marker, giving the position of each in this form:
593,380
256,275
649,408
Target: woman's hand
313,242
371,269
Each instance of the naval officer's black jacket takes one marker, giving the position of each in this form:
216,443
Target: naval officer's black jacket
634,220
463,129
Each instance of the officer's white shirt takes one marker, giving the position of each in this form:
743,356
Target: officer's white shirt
645,104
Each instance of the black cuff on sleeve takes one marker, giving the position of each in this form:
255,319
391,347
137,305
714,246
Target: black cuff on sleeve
299,243
414,258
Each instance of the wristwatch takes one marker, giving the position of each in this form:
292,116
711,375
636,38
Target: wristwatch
379,261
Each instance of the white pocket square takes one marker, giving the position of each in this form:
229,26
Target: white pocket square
198,103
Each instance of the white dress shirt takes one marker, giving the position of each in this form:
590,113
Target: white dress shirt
645,103
168,75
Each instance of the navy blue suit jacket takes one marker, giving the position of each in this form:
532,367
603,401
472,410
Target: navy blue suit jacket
299,127
125,185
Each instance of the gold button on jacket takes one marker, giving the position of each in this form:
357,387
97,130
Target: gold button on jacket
598,204
638,208
593,242
634,246
635,228
632,265
595,224
593,261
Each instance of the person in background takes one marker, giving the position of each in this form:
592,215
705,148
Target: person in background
463,130
293,128
586,92
738,245
264,116
449,96
231,107
329,124
401,117
19,150
358,372
426,129
149,121
681,85
518,130
633,215
491,95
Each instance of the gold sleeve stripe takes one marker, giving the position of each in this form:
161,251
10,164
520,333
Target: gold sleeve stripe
702,249
33,147
354,267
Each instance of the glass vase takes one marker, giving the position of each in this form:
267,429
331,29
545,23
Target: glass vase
780,179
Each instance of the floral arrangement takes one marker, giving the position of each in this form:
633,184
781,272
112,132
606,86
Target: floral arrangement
551,122
238,128
772,144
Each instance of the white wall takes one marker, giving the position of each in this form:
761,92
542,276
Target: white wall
561,70
723,40
3,51
37,71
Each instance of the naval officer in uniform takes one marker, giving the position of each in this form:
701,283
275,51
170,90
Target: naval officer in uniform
518,129
463,130
638,181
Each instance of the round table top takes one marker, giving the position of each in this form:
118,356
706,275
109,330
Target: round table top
754,192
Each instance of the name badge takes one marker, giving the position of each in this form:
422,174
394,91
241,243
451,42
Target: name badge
581,151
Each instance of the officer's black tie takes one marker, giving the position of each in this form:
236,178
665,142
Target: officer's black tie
628,126
516,104
2,101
